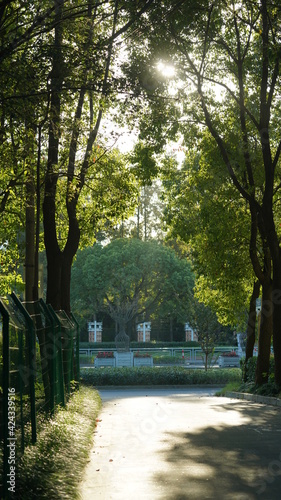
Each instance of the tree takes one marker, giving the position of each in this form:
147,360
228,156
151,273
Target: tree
96,83
212,220
220,241
208,330
146,223
24,69
227,57
129,278
55,57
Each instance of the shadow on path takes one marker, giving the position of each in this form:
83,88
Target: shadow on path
225,461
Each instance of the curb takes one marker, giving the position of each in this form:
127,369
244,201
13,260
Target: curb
256,398
176,386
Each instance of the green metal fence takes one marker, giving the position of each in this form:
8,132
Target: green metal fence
68,344
40,359
18,422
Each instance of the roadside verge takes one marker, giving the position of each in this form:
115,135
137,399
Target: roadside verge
256,398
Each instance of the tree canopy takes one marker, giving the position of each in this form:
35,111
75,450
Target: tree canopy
204,210
67,64
226,57
129,279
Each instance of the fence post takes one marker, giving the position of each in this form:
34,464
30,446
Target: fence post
5,375
32,361
21,388
53,360
77,356
59,362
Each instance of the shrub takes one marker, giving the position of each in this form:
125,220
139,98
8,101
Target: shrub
250,369
172,375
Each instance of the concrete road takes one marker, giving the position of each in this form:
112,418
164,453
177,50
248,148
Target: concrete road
177,444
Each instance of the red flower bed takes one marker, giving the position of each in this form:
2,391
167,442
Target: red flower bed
105,354
231,354
141,355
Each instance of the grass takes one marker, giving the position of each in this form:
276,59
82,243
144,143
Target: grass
84,359
172,375
249,385
53,467
230,387
269,389
167,360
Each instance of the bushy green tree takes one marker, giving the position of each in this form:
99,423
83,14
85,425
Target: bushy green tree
227,59
130,278
208,329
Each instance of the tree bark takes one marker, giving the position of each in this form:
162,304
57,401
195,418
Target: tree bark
171,329
262,370
37,225
273,242
59,261
251,326
29,238
67,259
264,276
29,213
276,305
53,252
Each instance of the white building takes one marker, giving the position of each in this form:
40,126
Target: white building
190,334
95,331
143,330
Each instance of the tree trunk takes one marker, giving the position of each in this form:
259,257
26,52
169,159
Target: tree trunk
251,326
53,252
67,259
277,344
37,225
276,287
206,361
29,235
54,271
258,222
171,329
262,370
29,214
276,299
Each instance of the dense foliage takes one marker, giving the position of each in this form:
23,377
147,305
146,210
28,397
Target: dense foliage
205,74
225,103
174,375
130,278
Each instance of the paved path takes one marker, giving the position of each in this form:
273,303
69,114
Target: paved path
177,444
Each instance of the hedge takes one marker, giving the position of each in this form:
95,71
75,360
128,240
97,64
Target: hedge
172,375
250,369
134,345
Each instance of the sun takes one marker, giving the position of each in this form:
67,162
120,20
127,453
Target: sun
165,69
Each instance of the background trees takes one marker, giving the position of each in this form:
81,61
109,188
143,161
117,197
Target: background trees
204,210
95,38
226,57
65,64
58,79
210,332
131,280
